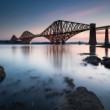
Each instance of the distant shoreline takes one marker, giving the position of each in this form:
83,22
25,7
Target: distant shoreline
9,42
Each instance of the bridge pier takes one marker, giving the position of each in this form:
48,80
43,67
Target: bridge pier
63,42
92,38
106,36
106,52
92,49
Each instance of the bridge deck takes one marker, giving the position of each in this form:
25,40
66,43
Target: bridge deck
103,27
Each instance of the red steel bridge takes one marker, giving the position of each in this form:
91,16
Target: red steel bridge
60,31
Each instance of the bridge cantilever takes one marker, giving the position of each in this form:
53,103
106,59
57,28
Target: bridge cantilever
103,27
60,31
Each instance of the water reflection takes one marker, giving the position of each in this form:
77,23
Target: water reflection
14,49
92,49
58,54
43,70
26,50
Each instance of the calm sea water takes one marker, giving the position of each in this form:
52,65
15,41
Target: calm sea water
35,74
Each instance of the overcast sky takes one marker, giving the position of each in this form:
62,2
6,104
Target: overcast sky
17,16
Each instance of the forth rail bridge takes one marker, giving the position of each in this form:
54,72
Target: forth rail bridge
60,31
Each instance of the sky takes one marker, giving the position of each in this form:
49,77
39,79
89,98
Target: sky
17,16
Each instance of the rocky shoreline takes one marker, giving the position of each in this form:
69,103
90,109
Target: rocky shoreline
2,73
81,99
94,60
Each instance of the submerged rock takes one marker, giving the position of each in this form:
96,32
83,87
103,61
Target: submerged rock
94,60
106,62
83,64
2,73
69,82
81,99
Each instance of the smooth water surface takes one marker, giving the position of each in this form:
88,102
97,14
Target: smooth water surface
35,74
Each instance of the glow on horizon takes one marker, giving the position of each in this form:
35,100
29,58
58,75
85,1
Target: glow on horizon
37,21
84,13
84,36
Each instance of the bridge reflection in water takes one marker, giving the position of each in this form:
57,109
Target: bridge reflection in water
92,50
60,56
35,64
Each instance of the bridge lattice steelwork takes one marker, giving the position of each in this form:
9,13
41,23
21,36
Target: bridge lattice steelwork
60,31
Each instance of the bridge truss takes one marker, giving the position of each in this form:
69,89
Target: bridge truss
59,31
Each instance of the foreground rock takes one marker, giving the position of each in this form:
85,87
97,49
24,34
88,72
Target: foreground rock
2,73
94,60
106,62
69,82
81,99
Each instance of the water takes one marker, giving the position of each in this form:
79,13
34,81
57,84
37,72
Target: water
35,74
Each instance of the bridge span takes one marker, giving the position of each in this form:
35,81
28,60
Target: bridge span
60,31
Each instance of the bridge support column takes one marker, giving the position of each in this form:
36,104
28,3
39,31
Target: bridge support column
106,52
92,49
106,37
63,42
92,38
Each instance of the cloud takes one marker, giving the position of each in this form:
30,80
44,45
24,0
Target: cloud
70,14
86,12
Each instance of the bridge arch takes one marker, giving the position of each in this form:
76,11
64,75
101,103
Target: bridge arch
81,36
39,39
60,31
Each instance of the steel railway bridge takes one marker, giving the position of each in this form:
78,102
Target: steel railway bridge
60,31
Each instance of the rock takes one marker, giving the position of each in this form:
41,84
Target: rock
69,82
87,54
2,73
83,64
106,62
94,60
81,99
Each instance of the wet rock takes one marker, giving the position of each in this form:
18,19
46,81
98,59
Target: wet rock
90,77
69,82
86,54
66,91
4,92
106,62
83,64
16,105
94,60
47,89
15,83
81,99
34,77
2,74
53,94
